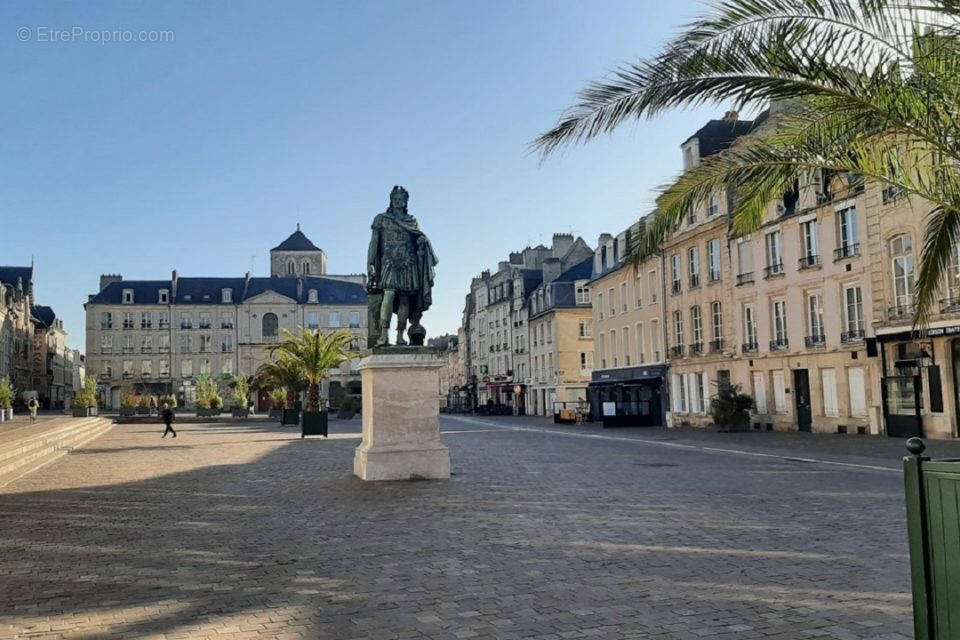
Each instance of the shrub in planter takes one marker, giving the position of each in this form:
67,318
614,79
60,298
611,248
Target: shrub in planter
143,406
241,389
6,399
128,403
730,409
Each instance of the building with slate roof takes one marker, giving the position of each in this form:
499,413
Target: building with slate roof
496,336
156,337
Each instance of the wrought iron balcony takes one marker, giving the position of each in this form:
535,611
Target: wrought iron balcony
773,270
951,304
696,349
808,262
676,351
851,250
675,287
817,341
714,276
903,311
716,346
748,347
695,280
779,344
744,278
851,336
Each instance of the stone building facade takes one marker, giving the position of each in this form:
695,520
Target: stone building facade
157,336
628,385
16,326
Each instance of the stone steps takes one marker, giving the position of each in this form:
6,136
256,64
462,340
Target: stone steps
26,449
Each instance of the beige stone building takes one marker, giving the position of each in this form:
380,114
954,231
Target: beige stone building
561,350
629,363
16,326
157,336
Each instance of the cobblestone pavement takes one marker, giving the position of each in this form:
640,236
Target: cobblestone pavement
246,531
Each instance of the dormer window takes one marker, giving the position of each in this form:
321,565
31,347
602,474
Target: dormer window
312,295
226,295
128,296
164,296
187,298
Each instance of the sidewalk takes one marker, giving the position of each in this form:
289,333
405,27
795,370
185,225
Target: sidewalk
855,449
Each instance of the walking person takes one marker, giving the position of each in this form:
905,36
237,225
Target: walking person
168,420
33,405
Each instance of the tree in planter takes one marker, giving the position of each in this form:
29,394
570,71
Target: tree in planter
281,373
278,398
730,408
127,399
208,396
313,353
241,391
6,394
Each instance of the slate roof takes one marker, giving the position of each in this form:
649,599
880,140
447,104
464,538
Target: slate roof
580,271
297,241
10,275
717,135
208,290
44,315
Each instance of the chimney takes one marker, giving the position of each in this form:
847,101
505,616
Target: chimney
516,257
173,285
561,244
109,278
551,269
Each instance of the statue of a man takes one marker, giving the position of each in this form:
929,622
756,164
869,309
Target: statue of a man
400,267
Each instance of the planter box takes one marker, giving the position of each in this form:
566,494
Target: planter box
143,412
313,423
290,416
84,412
128,411
275,414
240,413
207,413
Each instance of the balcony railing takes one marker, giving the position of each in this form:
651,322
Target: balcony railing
815,341
779,344
677,351
851,250
675,287
951,304
696,348
851,336
744,278
807,262
714,276
748,347
695,280
773,270
902,311
716,346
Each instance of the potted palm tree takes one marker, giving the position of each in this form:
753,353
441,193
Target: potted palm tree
313,353
241,389
6,399
282,374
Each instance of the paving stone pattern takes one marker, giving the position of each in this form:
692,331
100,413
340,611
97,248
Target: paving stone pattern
246,531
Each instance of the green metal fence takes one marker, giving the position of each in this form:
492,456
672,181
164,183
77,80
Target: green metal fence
933,526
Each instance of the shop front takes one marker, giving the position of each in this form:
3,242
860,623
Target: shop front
919,382
628,397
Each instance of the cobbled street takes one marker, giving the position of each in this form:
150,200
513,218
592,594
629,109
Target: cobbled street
544,531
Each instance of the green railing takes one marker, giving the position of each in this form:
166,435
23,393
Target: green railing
933,526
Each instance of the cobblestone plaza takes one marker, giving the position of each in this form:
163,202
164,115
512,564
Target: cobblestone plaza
246,531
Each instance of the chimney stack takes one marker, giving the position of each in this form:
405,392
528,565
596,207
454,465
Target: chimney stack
107,279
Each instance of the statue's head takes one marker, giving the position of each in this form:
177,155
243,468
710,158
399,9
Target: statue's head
398,199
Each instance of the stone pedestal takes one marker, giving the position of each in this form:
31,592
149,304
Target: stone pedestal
401,428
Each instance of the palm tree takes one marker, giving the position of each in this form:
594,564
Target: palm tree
280,373
313,353
872,85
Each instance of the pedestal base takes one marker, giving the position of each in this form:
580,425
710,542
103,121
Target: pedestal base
401,428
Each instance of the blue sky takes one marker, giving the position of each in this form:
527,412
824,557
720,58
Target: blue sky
197,154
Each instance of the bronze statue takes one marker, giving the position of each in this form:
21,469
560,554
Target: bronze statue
400,264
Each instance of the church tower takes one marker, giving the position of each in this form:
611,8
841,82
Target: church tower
297,256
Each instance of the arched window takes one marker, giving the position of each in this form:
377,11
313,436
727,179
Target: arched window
306,268
270,325
291,268
901,264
